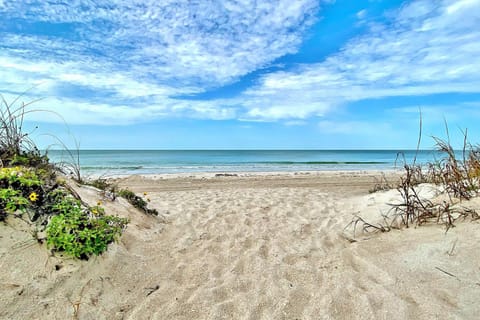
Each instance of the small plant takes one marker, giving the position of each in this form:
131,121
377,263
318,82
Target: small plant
102,184
70,166
454,172
20,188
381,184
79,235
137,201
19,177
97,210
108,189
13,142
10,201
78,230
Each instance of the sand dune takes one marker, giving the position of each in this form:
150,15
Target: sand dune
248,247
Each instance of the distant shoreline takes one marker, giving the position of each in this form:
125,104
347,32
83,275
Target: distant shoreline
247,174
118,162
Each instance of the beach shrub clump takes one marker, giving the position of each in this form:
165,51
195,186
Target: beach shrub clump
137,201
457,178
109,191
102,184
29,185
71,227
81,232
20,189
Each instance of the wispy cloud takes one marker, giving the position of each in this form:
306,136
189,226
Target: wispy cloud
122,62
428,47
120,51
361,14
199,43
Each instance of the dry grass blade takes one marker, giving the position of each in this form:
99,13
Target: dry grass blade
13,141
70,166
381,184
366,226
458,178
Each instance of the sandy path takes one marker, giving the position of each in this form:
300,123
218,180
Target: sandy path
253,248
243,248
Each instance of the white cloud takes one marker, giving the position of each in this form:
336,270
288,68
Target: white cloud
133,58
428,48
119,61
193,43
361,14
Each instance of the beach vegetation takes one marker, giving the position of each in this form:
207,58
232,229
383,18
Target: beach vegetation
110,191
381,184
102,184
15,145
137,201
31,189
456,179
71,165
81,233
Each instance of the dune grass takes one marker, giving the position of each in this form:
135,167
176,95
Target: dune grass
457,179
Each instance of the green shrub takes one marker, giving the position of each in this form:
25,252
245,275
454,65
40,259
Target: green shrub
101,184
11,200
79,232
75,229
81,236
31,158
137,201
19,177
20,188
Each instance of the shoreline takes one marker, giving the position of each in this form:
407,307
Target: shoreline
350,182
244,174
159,162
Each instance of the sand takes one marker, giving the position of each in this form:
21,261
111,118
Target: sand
249,246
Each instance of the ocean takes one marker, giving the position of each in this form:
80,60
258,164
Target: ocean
122,162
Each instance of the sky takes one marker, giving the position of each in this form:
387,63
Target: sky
243,74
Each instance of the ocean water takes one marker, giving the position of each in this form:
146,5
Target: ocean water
120,162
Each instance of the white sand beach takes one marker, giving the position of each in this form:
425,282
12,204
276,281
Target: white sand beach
249,247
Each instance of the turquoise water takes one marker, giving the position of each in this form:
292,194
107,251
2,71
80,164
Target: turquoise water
184,161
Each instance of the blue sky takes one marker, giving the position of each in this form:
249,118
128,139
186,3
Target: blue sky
244,74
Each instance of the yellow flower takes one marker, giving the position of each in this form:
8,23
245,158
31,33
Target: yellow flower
145,193
99,203
94,211
33,196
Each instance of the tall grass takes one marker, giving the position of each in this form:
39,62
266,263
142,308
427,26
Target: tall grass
15,144
71,165
457,178
17,147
